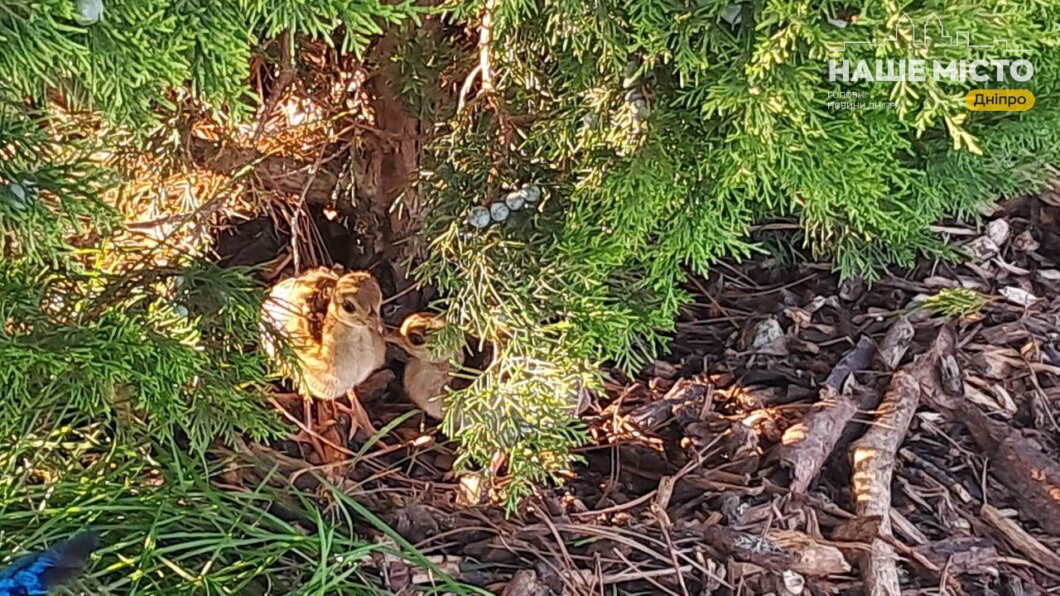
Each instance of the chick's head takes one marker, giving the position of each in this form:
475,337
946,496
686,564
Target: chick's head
415,336
356,301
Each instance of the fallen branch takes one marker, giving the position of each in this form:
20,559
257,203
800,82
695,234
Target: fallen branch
1019,539
1020,464
891,351
962,555
778,550
873,458
806,445
654,415
1018,461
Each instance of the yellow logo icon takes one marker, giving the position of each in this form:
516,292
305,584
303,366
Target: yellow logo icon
999,100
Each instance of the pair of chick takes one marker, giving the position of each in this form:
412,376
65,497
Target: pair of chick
332,322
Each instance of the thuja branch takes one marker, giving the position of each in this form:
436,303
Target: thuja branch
485,43
484,69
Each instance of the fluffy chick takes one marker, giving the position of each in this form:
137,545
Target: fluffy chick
333,325
427,373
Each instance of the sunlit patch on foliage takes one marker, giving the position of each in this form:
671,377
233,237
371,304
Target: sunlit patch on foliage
956,302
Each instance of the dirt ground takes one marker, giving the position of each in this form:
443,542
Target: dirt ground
802,437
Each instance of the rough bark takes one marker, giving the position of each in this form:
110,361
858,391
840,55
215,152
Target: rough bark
1018,461
1021,464
1019,539
806,445
389,156
873,458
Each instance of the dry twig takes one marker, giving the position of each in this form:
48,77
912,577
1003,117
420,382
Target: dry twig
873,459
806,445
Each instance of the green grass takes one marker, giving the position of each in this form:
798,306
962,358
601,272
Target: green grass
167,529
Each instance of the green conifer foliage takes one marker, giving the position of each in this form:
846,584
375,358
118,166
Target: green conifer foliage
649,134
121,368
169,349
661,130
173,356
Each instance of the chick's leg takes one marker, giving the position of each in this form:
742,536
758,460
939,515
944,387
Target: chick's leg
305,433
334,450
307,420
359,419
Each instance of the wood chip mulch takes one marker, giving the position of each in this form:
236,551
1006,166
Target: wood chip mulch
803,437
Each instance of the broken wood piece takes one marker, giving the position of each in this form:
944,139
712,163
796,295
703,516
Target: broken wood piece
907,529
778,550
873,459
750,548
962,555
654,415
1019,539
806,446
896,343
1018,461
921,465
858,358
813,557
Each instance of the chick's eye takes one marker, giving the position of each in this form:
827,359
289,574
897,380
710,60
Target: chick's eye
417,339
348,307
